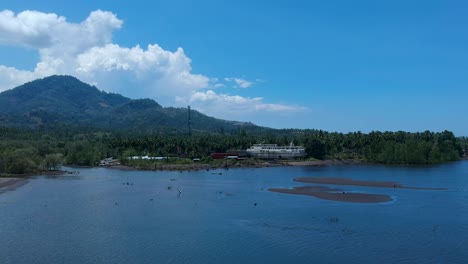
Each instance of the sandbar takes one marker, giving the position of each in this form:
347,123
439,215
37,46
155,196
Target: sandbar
333,194
349,181
11,182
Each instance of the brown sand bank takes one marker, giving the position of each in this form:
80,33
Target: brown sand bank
335,194
12,182
349,181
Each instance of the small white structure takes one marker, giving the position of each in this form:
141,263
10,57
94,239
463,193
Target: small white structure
146,157
109,162
273,151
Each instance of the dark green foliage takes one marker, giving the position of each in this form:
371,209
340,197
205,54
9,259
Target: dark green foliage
52,161
315,148
463,143
386,147
26,151
18,158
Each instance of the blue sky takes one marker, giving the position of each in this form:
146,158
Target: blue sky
333,65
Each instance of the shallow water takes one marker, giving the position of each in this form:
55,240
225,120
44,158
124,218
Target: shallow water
92,217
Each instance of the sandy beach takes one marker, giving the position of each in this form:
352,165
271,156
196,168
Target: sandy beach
7,183
333,194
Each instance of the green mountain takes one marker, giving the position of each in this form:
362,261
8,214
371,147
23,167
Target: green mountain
65,101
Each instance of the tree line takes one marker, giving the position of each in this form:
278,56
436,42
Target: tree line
28,151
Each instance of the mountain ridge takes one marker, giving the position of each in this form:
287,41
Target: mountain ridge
62,100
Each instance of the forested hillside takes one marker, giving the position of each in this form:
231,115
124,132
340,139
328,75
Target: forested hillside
58,102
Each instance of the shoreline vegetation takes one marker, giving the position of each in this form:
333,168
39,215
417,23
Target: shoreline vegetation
37,151
187,165
221,164
197,166
229,164
191,166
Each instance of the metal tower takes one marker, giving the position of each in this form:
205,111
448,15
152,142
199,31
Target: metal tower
189,121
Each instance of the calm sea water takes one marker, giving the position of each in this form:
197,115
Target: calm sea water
93,218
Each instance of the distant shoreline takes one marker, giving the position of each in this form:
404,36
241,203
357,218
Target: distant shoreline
258,164
326,162
25,175
207,166
197,166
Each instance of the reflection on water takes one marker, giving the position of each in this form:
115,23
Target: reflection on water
205,217
63,177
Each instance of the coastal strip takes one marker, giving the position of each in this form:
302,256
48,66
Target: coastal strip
349,181
10,183
333,194
327,162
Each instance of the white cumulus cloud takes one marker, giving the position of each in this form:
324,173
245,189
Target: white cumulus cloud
234,106
86,50
241,83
